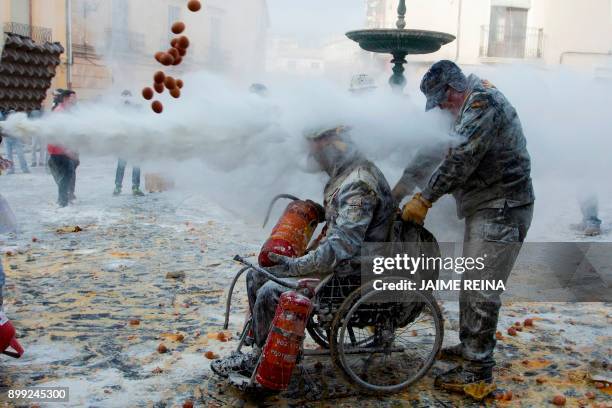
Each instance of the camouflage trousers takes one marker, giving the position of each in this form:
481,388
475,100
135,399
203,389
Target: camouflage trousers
497,235
263,297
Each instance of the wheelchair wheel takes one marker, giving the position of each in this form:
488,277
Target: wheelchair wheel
321,336
375,346
317,332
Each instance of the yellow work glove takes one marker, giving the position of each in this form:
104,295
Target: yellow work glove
416,209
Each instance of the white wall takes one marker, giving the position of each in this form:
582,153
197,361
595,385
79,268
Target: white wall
573,25
569,25
20,11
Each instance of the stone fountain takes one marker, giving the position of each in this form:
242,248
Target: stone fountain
400,42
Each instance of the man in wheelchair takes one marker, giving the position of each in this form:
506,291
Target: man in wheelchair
358,208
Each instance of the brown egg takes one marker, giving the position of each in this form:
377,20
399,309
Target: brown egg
559,400
158,56
135,322
170,83
178,27
182,52
174,52
174,42
194,5
167,59
159,77
210,355
159,88
498,335
512,331
178,61
158,108
147,93
183,42
179,83
161,349
188,404
176,93
528,322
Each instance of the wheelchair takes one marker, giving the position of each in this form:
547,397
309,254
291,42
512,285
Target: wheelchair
381,341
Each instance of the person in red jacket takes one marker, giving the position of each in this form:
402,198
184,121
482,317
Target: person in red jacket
63,161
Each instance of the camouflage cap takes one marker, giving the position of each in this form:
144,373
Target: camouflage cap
440,75
322,132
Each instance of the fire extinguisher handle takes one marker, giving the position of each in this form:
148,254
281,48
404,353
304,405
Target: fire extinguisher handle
290,285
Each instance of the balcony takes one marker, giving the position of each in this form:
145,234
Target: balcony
504,43
125,42
39,35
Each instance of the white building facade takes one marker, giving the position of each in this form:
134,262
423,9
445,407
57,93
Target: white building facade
572,32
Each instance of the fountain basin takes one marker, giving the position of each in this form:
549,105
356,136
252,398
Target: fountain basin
396,41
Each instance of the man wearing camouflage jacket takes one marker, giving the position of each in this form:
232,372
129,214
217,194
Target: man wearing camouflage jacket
358,209
488,172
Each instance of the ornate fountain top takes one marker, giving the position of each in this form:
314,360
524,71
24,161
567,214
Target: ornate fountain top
400,42
401,14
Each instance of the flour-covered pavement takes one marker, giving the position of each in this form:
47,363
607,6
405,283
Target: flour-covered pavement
92,307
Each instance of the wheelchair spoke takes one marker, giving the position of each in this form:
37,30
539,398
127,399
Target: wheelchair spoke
396,356
352,335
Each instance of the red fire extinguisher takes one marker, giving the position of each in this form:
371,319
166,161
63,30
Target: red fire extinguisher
293,231
280,353
7,338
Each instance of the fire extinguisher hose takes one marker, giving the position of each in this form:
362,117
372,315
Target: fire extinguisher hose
228,303
274,200
248,266
270,276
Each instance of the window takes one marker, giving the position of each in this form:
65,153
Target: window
119,34
215,32
20,11
174,15
507,32
120,15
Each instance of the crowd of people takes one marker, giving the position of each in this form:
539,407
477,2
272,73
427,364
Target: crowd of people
59,160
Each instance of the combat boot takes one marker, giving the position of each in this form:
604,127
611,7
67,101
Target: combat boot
452,353
117,191
136,191
239,363
457,378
